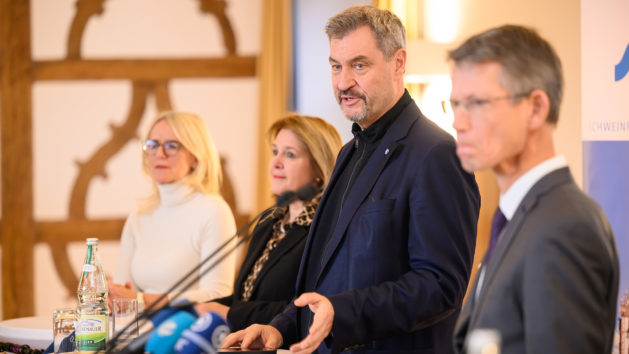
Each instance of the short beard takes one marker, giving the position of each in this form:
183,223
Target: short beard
357,117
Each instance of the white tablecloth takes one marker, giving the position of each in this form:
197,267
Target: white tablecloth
34,331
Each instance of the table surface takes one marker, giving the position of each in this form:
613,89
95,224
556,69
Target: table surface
34,331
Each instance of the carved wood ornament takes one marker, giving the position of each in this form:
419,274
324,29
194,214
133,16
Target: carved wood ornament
148,77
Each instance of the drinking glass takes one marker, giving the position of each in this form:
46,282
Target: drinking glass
63,322
125,312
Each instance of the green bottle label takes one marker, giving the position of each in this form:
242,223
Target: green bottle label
92,332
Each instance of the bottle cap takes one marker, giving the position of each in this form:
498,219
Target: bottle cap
92,241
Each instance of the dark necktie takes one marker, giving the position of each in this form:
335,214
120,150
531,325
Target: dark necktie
497,224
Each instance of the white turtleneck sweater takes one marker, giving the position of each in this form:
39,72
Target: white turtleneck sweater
159,248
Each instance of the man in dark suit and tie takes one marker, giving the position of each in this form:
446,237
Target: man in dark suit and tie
549,281
389,253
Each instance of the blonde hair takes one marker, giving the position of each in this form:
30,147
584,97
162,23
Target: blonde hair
321,139
206,177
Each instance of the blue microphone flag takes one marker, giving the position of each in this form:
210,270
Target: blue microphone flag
204,336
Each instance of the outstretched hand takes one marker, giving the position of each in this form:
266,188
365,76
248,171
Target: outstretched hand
255,336
321,324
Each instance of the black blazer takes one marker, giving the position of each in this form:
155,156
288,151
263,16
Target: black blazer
275,286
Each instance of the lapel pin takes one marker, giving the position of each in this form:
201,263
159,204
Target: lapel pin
386,152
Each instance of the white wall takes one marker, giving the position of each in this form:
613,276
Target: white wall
312,81
558,21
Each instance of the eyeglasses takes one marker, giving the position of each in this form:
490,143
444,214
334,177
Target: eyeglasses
169,147
475,105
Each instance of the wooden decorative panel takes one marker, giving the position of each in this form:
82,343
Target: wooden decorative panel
149,77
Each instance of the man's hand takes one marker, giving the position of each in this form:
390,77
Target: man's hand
255,336
321,325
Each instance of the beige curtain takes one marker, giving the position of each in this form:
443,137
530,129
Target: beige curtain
274,68
411,12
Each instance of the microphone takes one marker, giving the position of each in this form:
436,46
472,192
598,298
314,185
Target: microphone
204,336
148,312
285,198
166,334
138,344
304,193
307,192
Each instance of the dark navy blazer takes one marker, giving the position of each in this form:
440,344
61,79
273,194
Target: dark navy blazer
400,257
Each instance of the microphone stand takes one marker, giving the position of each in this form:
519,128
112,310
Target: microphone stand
148,313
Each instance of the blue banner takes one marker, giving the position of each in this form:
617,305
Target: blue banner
605,128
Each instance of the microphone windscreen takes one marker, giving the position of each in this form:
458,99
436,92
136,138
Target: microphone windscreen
165,336
172,308
162,315
307,192
285,198
204,336
137,345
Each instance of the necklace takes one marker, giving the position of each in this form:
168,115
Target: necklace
283,222
282,227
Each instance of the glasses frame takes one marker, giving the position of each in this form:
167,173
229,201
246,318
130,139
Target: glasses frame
476,104
151,146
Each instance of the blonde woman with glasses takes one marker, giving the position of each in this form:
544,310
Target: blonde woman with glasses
181,222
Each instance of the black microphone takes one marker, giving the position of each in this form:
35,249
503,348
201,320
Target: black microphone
305,193
149,312
285,198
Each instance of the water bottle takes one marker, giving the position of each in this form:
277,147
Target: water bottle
92,330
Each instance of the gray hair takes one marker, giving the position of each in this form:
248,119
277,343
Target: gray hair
529,62
386,27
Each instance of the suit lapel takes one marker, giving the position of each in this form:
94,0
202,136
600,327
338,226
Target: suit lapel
512,229
341,161
255,250
292,238
368,177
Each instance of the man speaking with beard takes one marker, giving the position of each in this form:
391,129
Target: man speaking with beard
389,253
